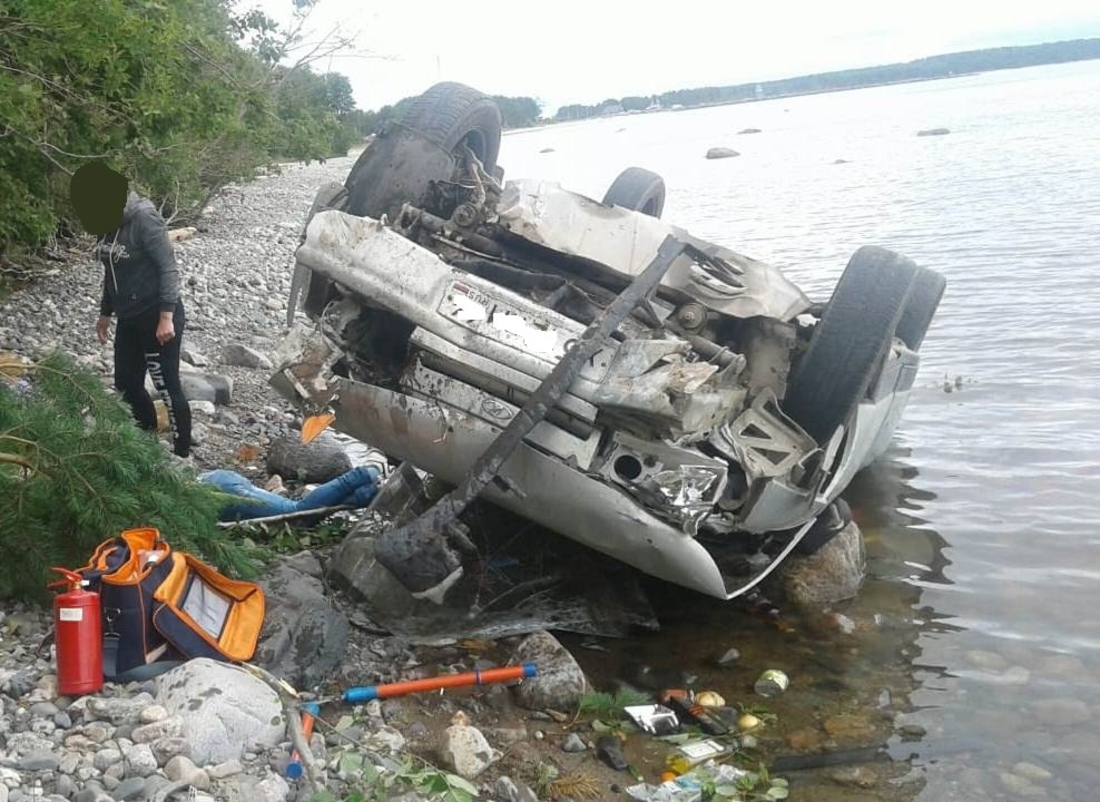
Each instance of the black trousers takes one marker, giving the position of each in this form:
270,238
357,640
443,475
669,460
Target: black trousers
137,352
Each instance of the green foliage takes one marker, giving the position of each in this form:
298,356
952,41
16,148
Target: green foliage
160,90
75,470
609,706
518,112
370,783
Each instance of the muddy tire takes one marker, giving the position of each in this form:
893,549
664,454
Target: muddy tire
850,341
451,114
405,159
923,302
637,189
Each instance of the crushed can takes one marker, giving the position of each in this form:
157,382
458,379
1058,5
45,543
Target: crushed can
771,683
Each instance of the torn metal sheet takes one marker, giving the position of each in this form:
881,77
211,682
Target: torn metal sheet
625,242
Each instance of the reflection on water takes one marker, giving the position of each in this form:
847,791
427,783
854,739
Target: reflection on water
975,634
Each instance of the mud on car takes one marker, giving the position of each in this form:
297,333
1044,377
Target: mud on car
677,405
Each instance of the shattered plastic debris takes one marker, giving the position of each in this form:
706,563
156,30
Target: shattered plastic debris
687,787
688,490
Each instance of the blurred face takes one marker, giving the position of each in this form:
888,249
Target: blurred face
98,195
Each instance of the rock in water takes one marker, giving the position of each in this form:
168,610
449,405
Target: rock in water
722,153
833,573
934,132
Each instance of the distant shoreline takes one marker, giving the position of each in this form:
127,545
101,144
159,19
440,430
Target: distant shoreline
932,68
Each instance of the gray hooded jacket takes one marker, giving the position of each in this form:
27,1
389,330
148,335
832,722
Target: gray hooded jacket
139,265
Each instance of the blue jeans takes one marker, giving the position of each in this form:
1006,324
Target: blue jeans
355,488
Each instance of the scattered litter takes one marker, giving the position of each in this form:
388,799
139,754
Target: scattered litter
654,719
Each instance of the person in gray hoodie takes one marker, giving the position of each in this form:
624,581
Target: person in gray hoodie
141,288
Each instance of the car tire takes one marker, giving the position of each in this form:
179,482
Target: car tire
450,114
637,189
850,341
446,116
923,302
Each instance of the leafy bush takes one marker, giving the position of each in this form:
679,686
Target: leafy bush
75,470
162,91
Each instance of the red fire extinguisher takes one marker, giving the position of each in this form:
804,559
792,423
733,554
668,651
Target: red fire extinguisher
79,636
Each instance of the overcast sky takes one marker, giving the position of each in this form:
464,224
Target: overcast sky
585,51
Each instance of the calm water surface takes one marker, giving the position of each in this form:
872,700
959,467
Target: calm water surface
977,633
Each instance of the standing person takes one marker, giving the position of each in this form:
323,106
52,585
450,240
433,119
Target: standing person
141,288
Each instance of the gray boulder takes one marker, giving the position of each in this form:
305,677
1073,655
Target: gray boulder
934,132
225,710
210,387
315,462
560,682
242,356
304,637
722,153
832,574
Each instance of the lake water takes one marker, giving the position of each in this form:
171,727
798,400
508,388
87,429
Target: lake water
977,632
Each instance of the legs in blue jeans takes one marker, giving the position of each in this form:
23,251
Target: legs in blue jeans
354,488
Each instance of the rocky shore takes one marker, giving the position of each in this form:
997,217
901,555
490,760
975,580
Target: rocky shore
212,731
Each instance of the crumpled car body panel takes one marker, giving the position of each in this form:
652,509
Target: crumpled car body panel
638,459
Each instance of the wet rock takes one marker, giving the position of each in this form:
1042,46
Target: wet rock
1015,675
854,777
934,132
1020,786
466,751
304,637
224,709
1064,712
804,740
832,574
1031,772
722,153
319,461
560,682
987,661
849,727
241,356
1061,666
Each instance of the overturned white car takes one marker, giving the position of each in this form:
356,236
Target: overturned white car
674,404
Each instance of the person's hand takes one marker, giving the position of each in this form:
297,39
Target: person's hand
165,330
102,328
